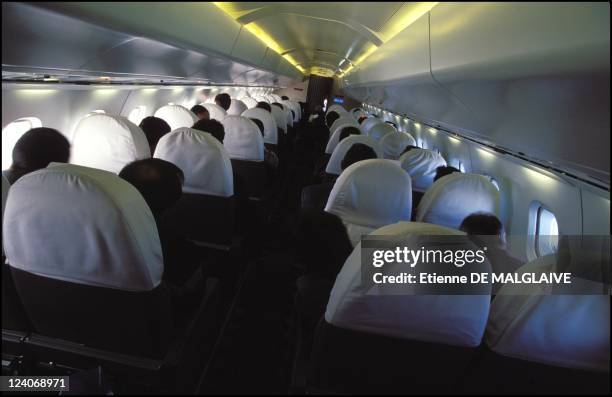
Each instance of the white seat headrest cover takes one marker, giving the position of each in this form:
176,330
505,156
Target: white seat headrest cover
393,144
242,139
338,109
335,161
92,228
279,117
203,159
371,193
236,107
389,309
334,139
250,102
215,111
297,109
528,323
270,130
107,142
369,123
342,120
378,131
176,116
421,164
288,115
453,197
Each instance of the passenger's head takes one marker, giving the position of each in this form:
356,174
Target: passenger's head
36,149
444,170
346,131
484,224
201,112
357,152
285,98
223,100
362,119
259,124
408,148
212,126
159,182
264,105
278,105
154,128
331,117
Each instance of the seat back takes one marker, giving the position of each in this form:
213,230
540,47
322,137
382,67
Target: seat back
421,164
394,144
378,131
249,102
270,128
215,111
107,142
369,123
335,131
334,164
236,107
98,282
176,116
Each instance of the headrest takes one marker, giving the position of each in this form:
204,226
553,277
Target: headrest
276,97
394,144
343,120
288,116
335,161
336,108
261,99
176,116
378,131
92,228
297,110
250,102
270,131
358,113
369,123
107,142
453,197
335,136
421,164
203,159
458,320
242,139
279,117
215,111
236,107
571,331
371,193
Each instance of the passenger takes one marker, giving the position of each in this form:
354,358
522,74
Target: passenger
201,112
444,170
362,119
35,150
315,197
154,128
161,185
279,105
223,100
346,131
285,98
409,148
270,158
264,105
331,117
213,127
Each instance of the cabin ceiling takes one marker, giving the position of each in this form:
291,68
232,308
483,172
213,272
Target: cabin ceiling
325,38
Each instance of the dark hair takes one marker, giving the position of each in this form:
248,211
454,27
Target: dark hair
154,128
279,105
444,170
346,131
199,109
212,126
362,119
285,98
36,149
483,224
259,124
357,152
292,114
331,117
223,100
265,106
159,182
408,148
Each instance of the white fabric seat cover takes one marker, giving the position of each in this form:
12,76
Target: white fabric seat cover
393,144
176,116
389,309
276,98
5,189
335,161
107,142
243,140
279,117
370,194
270,130
334,139
288,116
338,109
367,124
215,111
236,107
92,228
342,120
421,164
203,159
297,110
249,102
572,331
380,130
453,197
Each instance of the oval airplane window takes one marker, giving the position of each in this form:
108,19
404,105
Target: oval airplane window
11,134
546,233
